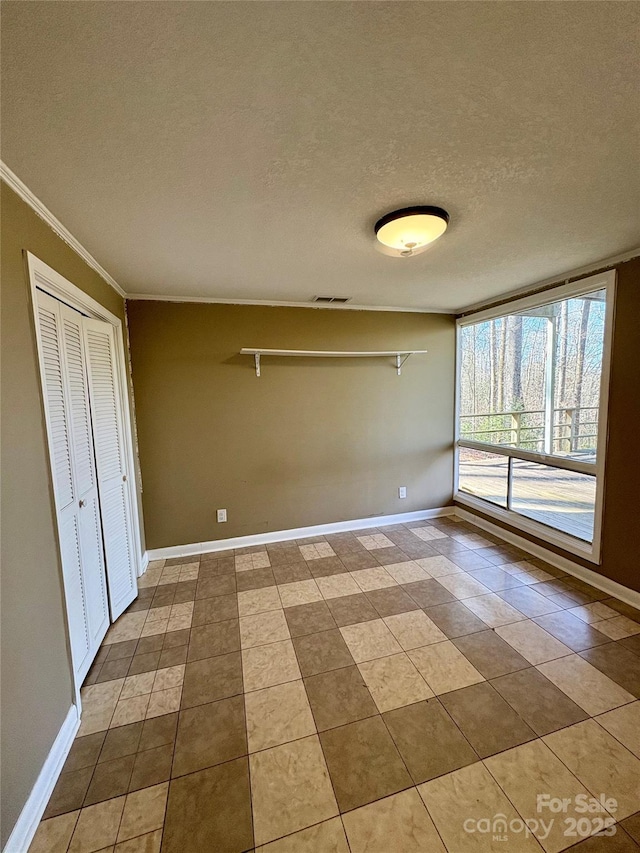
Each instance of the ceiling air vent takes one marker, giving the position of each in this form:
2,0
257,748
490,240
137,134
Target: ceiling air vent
329,299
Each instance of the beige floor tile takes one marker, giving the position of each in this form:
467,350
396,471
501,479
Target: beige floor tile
534,643
335,586
428,533
95,721
158,614
396,823
619,627
128,627
437,567
458,801
589,688
370,579
258,601
143,811
265,666
164,702
257,560
138,685
325,837
299,592
394,682
179,623
148,843
463,586
53,835
493,610
602,764
130,710
150,629
170,676
414,629
290,789
624,724
263,628
528,771
375,541
595,612
97,826
316,551
369,640
444,667
277,715
408,572
101,695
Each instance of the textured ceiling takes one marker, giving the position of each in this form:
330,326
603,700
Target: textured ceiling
245,149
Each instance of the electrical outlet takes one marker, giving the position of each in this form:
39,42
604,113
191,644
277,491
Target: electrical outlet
402,492
222,515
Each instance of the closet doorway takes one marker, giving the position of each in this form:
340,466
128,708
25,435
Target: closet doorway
83,375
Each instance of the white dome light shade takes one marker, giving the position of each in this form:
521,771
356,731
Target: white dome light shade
411,229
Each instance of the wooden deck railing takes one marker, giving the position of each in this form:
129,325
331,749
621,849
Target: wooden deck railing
574,428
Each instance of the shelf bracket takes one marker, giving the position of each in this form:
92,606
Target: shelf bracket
257,360
400,361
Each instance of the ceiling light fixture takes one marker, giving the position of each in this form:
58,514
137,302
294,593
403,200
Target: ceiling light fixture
410,230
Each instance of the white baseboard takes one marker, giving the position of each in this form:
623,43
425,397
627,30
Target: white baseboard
144,563
295,533
605,584
30,816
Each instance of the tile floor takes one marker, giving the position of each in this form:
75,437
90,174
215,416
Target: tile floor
366,691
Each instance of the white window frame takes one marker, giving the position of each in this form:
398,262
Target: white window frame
588,550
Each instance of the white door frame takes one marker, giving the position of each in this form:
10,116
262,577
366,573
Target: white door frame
45,278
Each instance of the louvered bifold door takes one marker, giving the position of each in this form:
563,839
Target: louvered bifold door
74,477
109,442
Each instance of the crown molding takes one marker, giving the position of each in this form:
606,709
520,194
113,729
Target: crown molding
561,278
13,181
213,300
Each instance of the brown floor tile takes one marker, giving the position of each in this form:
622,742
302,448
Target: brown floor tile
321,652
571,631
326,566
113,669
621,842
291,572
84,752
210,811
215,568
164,595
181,561
490,655
309,618
211,679
528,601
623,608
121,741
176,638
363,763
351,609
217,609
216,638
151,767
583,586
255,579
210,587
488,722
210,734
338,697
454,619
495,579
389,556
470,561
428,593
144,663
428,740
172,657
284,555
359,560
127,649
185,591
138,605
539,702
146,645
621,665
631,643
390,601
69,792
632,826
110,779
158,731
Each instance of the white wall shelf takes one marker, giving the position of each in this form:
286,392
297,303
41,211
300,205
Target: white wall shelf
400,355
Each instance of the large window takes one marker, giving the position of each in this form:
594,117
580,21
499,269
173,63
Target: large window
531,385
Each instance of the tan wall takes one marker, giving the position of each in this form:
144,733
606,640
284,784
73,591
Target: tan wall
621,528
37,687
310,441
